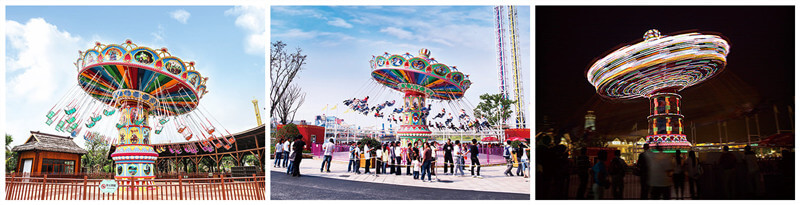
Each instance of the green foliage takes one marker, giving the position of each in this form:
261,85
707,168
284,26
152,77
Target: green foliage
96,157
11,157
287,131
494,108
369,141
252,160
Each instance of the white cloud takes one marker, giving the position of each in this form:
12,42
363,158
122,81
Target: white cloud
340,23
180,15
37,69
252,20
397,32
158,35
295,11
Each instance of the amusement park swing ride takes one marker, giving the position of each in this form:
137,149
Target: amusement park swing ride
657,68
422,80
148,90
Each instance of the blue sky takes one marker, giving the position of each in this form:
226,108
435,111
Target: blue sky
226,43
341,40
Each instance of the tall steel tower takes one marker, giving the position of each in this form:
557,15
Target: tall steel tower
511,14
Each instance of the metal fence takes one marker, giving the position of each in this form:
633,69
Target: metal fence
221,188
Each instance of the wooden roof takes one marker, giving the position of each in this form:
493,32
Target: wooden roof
49,142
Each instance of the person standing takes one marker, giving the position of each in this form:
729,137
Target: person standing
291,155
727,161
507,155
378,160
357,158
642,166
600,175
367,158
617,171
327,150
753,177
518,154
385,157
286,149
526,161
693,171
459,158
415,164
679,175
408,153
352,157
278,153
398,151
473,151
448,156
426,161
392,162
433,148
299,145
659,169
583,165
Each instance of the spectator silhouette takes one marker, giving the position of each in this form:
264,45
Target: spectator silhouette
727,161
600,175
659,169
642,167
583,164
617,171
692,168
679,176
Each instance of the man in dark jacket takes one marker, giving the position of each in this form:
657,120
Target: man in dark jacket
448,156
299,145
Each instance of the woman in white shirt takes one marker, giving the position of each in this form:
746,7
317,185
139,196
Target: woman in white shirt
286,148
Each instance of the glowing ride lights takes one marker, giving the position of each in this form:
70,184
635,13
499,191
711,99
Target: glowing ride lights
418,78
657,68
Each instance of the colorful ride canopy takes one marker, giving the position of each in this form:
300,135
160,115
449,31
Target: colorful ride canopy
658,63
421,74
175,84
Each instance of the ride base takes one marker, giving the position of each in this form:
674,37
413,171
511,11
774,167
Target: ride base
666,122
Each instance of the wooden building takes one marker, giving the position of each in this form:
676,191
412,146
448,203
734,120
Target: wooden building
48,153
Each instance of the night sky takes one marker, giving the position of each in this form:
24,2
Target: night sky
759,73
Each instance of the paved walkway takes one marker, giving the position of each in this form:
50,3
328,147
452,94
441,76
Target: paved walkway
492,181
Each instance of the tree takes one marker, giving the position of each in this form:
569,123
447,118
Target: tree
494,107
11,156
96,157
287,132
283,70
288,106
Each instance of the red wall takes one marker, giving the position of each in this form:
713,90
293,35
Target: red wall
308,130
523,133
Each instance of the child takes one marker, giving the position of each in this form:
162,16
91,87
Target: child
415,164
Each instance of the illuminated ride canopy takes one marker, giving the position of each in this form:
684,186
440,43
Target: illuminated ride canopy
418,77
657,68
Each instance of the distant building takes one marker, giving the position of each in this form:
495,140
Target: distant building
590,121
49,154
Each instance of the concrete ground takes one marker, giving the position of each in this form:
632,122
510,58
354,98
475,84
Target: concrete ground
492,179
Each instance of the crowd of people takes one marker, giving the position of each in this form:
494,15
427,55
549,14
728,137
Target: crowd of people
290,151
721,175
418,158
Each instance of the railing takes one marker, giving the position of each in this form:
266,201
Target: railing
222,188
